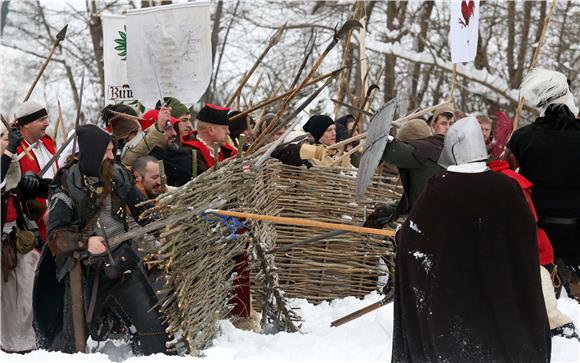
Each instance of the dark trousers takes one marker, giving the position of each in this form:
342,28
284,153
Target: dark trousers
130,296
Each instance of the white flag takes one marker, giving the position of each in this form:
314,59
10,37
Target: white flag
117,87
464,27
173,44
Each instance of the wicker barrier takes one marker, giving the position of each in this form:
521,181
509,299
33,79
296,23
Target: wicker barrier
332,268
197,254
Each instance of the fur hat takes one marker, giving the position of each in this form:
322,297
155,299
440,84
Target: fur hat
122,127
214,115
28,112
442,110
414,129
543,87
317,125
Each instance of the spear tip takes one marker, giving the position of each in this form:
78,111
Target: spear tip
62,33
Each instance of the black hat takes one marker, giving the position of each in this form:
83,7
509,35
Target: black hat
343,120
214,114
317,125
93,143
238,126
341,132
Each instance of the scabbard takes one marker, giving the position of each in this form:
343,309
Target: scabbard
77,306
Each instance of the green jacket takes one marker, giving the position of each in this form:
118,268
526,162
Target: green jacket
417,162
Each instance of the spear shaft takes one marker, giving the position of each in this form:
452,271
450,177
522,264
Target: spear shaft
59,38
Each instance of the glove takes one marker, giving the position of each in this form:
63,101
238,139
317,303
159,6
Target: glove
309,152
29,181
14,139
380,217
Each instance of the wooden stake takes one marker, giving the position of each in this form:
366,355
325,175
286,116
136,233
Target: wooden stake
216,154
452,87
304,222
193,163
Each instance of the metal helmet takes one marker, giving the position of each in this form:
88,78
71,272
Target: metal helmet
463,143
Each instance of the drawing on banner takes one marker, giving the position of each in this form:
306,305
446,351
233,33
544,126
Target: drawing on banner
467,8
174,40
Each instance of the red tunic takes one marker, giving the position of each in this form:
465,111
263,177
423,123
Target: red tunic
32,165
544,245
226,151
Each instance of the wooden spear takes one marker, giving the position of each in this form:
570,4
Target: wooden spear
303,222
274,39
279,97
59,38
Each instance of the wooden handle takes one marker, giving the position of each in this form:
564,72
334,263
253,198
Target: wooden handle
305,222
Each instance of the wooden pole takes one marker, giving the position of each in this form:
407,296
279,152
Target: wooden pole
534,60
216,154
241,140
405,118
452,87
193,163
59,38
304,222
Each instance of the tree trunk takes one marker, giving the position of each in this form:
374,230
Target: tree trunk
511,21
96,30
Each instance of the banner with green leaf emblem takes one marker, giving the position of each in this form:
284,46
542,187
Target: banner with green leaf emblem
117,87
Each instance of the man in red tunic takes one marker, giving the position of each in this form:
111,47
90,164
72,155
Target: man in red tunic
32,121
212,128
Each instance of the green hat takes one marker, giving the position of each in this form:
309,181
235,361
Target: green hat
178,109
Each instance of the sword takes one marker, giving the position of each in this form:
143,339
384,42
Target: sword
56,155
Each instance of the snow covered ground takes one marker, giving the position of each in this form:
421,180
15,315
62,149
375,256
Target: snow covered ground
367,339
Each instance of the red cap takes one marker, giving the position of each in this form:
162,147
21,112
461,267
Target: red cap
150,117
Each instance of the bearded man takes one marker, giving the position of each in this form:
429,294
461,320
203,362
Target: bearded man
81,276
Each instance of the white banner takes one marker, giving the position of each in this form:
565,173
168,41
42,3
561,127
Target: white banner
173,44
464,27
117,87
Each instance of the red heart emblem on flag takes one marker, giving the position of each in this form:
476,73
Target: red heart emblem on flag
467,8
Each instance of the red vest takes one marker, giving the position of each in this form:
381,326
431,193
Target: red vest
32,165
226,151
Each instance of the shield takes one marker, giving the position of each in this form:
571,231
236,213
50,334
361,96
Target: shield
377,137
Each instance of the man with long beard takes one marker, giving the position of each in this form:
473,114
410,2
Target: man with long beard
77,280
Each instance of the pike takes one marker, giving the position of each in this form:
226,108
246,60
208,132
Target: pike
78,118
303,222
357,314
285,94
59,38
273,147
370,91
274,39
346,27
354,108
320,237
